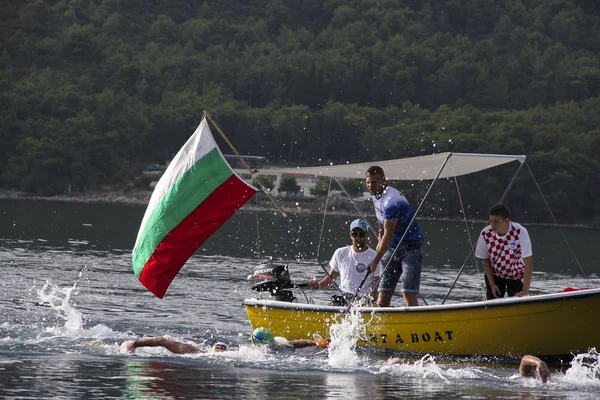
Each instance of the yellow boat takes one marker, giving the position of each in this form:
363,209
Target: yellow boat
545,325
557,324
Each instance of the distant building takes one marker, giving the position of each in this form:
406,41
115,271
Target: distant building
306,182
252,161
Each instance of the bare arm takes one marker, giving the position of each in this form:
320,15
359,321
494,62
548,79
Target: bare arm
528,261
172,345
298,343
487,267
385,239
325,282
531,364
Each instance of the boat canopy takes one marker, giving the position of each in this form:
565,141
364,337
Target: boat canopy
408,169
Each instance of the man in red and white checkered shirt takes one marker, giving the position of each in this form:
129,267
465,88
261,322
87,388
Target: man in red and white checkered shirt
505,248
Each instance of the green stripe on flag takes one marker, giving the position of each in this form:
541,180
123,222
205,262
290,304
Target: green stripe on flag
207,174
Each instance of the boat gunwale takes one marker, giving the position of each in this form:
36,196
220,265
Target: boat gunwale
505,302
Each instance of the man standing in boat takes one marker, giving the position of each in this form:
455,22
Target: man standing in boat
505,248
350,264
401,261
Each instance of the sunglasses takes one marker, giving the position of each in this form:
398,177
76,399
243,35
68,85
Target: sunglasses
359,234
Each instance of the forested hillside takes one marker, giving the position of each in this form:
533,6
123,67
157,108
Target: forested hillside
94,90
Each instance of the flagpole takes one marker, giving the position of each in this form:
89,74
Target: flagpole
263,187
268,194
231,146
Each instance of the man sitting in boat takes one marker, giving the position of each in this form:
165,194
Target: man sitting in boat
505,248
350,264
260,336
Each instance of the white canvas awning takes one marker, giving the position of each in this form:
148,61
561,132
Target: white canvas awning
412,168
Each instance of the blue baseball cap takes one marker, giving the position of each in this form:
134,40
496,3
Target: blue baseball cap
358,223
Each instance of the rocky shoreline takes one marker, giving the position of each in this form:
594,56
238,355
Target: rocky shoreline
291,205
141,198
137,198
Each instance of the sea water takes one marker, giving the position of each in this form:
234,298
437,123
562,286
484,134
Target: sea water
69,301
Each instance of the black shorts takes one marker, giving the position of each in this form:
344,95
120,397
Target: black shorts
511,286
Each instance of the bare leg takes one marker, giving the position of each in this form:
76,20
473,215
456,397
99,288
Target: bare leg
384,299
172,345
411,299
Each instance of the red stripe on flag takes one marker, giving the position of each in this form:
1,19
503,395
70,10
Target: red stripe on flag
179,244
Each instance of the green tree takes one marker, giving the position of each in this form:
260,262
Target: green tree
164,29
289,185
321,188
355,187
102,88
265,180
290,125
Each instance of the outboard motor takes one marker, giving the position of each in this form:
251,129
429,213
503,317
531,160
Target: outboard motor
274,279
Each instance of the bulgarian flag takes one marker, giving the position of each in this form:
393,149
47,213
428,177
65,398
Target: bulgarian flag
197,193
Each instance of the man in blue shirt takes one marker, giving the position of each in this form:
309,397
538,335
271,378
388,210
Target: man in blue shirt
400,260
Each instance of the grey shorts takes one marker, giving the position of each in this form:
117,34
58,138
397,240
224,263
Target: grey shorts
405,267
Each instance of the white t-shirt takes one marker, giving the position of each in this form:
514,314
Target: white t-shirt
352,267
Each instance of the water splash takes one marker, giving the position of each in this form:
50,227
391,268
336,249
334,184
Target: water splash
70,321
59,300
427,367
424,368
344,337
584,370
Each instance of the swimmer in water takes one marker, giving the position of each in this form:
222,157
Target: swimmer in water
260,336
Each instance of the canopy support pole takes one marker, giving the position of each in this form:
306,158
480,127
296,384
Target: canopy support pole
323,222
557,224
362,215
265,190
471,241
362,282
417,210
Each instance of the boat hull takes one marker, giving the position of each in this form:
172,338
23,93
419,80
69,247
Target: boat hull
545,325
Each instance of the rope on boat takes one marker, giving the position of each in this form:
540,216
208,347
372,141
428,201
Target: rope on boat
323,222
472,252
362,215
501,200
265,190
409,224
556,222
369,227
258,250
418,209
